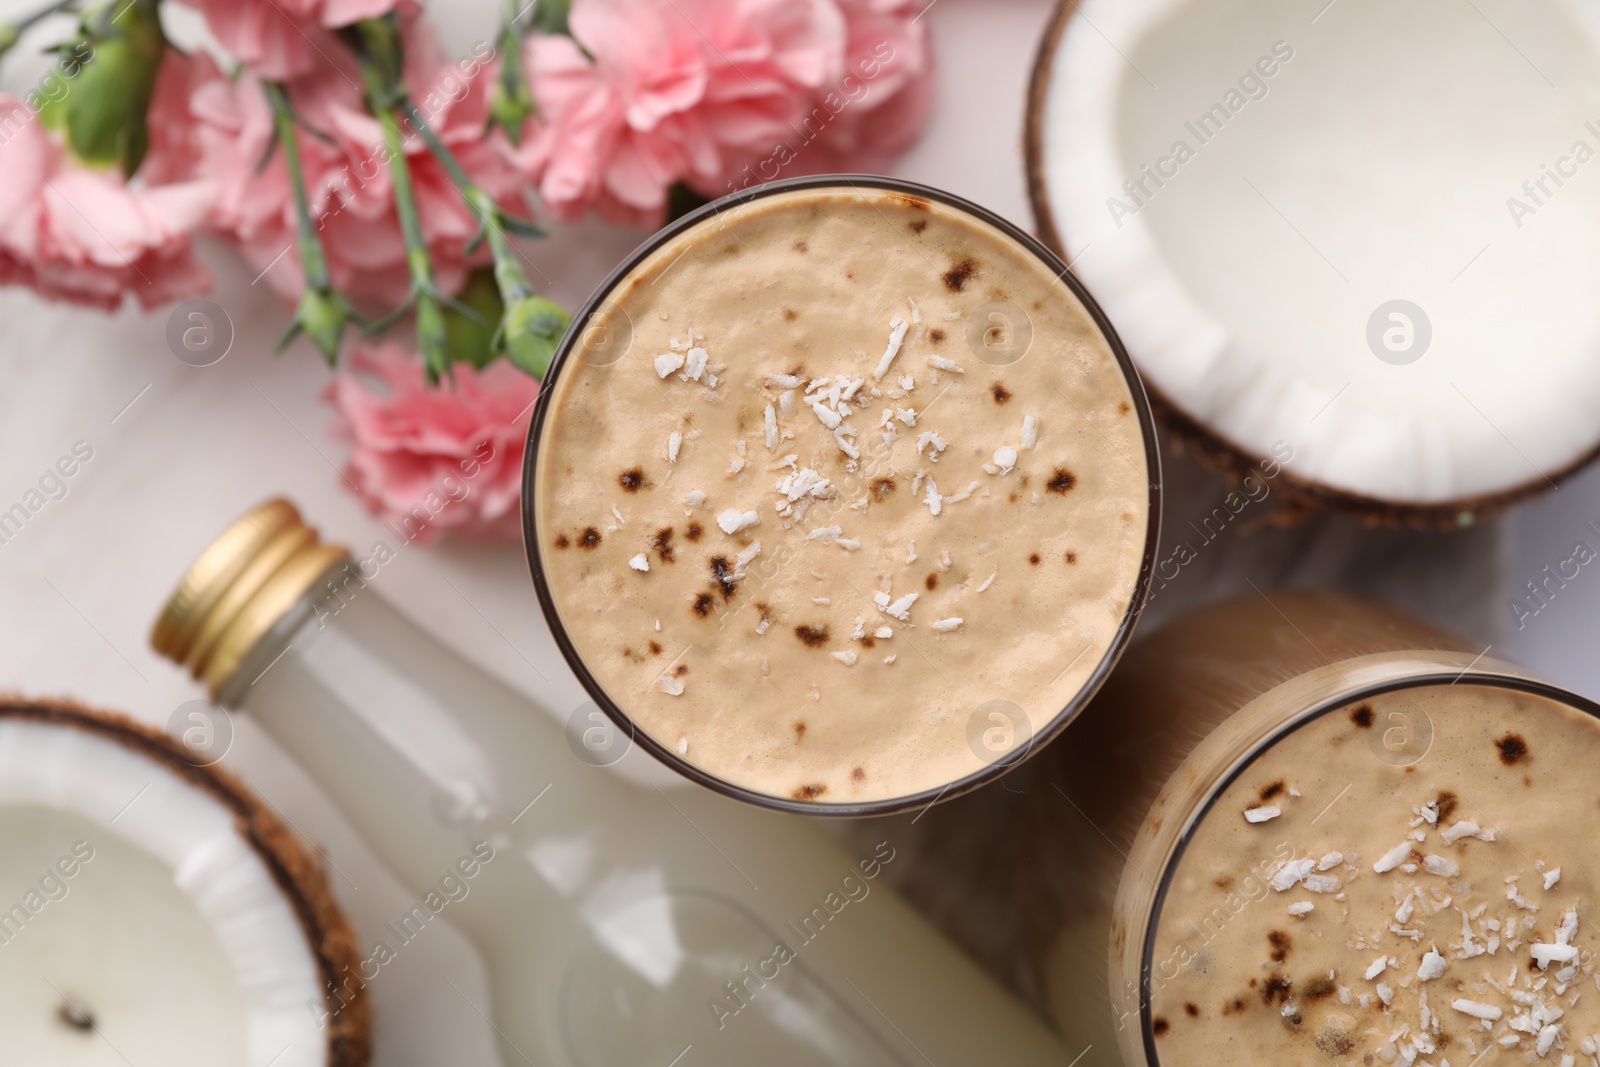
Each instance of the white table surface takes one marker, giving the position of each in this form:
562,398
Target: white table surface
180,451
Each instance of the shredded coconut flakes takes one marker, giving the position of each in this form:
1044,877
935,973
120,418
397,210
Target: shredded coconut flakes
733,520
900,609
897,334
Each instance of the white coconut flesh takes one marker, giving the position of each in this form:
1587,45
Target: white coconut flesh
171,944
1383,159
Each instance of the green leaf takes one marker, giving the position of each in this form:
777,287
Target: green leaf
521,227
471,339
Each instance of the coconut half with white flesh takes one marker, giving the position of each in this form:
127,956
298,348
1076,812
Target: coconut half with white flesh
154,911
1360,239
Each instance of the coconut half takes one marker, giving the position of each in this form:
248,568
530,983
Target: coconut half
153,911
1356,237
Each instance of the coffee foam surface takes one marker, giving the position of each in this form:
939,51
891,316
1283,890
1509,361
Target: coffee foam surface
813,580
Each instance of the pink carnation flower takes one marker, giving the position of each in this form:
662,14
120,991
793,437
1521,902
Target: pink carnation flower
282,39
86,236
428,459
711,92
872,119
225,127
673,92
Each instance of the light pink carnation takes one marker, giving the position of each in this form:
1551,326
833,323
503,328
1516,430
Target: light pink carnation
714,92
86,236
685,91
431,458
889,54
226,127
282,39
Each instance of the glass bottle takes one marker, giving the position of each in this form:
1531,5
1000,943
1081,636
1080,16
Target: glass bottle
619,924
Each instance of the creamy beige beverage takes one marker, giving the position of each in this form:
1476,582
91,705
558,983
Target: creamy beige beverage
1334,906
1331,835
862,507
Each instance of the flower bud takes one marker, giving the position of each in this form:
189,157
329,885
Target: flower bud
532,328
321,316
104,116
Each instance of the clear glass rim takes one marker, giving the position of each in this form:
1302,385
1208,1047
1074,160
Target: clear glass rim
1474,677
888,805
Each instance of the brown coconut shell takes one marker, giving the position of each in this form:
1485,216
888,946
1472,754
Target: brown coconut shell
1297,497
300,877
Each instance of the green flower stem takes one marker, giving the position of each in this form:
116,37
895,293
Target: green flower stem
313,259
322,312
405,197
436,146
530,326
506,270
458,175
511,104
384,97
42,13
508,274
551,16
11,31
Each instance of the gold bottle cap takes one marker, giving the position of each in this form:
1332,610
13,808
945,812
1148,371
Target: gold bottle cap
242,584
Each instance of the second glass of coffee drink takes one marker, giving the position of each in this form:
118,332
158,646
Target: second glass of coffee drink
841,498
1300,829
